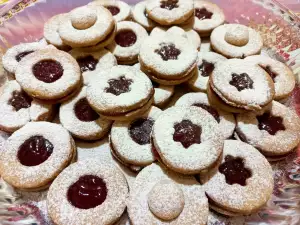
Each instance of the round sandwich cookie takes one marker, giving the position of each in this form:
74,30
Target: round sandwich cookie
206,64
170,12
93,63
88,192
49,75
122,94
140,16
282,75
241,85
35,154
78,117
17,108
226,120
120,10
242,183
236,41
127,43
208,16
274,131
160,196
187,139
86,26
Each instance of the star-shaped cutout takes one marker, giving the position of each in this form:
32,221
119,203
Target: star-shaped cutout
119,86
168,51
169,4
20,100
269,123
140,131
241,81
87,63
203,14
187,133
206,68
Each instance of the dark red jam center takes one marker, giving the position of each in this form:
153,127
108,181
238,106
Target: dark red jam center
126,38
87,63
84,111
113,9
140,131
234,170
119,86
187,133
270,72
209,109
168,52
269,123
88,192
241,81
34,151
169,4
48,71
203,14
20,100
22,55
206,68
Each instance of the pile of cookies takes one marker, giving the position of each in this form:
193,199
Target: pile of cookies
109,69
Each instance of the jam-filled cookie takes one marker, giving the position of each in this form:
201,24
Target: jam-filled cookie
168,59
35,154
241,85
86,26
17,108
208,16
206,64
130,141
274,131
88,192
242,183
122,93
140,16
282,75
78,117
49,75
93,63
170,12
187,139
236,41
160,196
128,40
226,120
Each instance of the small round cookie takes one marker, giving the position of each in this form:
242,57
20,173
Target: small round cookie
93,63
86,26
127,43
140,16
188,139
274,131
17,108
49,74
242,183
170,12
120,10
123,92
160,196
88,192
226,120
282,75
206,64
242,84
78,117
35,154
208,16
236,41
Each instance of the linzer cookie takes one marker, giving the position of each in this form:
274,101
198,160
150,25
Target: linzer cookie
122,94
36,154
226,120
236,41
88,192
240,85
160,196
274,131
187,139
206,65
242,183
17,108
140,16
128,40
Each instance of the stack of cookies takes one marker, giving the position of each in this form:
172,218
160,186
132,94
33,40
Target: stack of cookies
110,69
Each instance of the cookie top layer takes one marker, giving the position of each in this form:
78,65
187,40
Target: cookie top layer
140,16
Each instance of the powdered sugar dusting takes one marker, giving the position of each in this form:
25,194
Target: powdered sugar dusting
138,14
